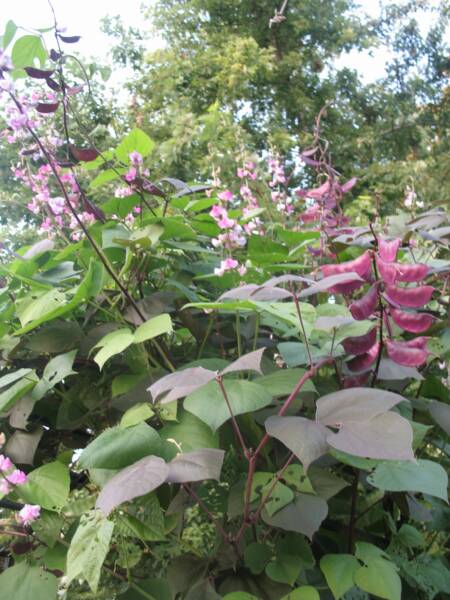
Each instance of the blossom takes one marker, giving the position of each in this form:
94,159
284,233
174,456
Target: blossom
135,158
217,211
226,265
131,174
29,513
5,463
225,196
4,487
17,477
226,223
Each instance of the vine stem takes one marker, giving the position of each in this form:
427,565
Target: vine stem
302,325
255,455
234,422
352,522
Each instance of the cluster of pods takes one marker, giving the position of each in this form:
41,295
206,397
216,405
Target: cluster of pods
395,296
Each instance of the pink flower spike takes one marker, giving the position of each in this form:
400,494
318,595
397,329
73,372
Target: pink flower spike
225,196
17,477
412,322
403,354
217,211
29,513
413,297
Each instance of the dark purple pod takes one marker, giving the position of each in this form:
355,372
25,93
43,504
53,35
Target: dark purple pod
403,354
47,108
83,154
361,265
412,322
360,344
53,85
364,361
38,73
69,39
366,306
412,297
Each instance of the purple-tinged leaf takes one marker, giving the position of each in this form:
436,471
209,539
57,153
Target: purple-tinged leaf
391,371
331,284
355,404
288,279
441,414
364,361
47,108
83,154
69,39
361,265
387,436
366,306
243,292
412,322
196,466
74,90
138,479
411,297
387,250
329,323
402,354
360,344
251,291
356,380
38,73
247,362
304,437
304,515
180,384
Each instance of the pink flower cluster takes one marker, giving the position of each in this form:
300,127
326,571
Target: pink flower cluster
230,264
10,477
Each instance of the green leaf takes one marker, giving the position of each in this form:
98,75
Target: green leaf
27,50
88,549
190,433
35,306
137,140
209,405
304,515
295,476
47,486
283,381
136,414
157,588
256,556
339,571
118,447
280,496
57,369
239,596
24,581
10,32
111,344
291,558
379,577
152,328
106,176
14,392
306,592
425,476
143,519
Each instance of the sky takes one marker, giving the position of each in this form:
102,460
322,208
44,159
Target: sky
82,17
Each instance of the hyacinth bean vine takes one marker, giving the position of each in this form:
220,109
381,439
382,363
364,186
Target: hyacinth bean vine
220,390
